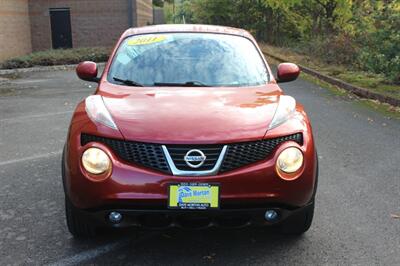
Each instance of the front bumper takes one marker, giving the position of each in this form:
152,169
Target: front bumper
256,184
189,219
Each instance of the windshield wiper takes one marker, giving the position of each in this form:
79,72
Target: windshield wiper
193,83
128,82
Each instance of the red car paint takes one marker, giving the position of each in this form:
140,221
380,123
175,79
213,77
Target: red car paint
288,72
212,115
86,70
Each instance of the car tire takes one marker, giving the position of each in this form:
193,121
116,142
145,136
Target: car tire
78,225
299,222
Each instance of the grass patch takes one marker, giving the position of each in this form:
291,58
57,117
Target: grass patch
58,57
373,82
4,92
336,91
11,76
382,108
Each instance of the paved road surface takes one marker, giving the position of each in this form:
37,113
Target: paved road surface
359,189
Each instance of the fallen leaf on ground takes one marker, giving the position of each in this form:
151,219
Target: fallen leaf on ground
209,257
395,216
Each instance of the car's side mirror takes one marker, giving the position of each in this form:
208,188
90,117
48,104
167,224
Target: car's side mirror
87,71
287,72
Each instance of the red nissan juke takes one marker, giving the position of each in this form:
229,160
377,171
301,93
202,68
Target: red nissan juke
189,128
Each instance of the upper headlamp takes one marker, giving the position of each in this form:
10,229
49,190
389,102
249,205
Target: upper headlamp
286,107
97,111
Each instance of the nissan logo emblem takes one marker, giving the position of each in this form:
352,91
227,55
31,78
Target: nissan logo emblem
195,158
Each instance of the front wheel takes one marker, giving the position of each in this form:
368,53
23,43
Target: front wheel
299,222
78,225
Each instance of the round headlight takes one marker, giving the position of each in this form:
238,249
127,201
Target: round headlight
290,160
96,161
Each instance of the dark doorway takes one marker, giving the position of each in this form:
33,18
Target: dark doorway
61,35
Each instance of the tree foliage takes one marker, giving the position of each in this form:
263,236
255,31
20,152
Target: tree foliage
361,33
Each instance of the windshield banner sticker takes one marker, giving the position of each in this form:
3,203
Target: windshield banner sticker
147,40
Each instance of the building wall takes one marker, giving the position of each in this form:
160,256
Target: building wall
93,22
25,24
15,34
144,11
158,16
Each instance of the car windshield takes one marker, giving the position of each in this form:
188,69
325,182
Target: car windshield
188,59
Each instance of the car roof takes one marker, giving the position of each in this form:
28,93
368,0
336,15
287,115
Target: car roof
186,28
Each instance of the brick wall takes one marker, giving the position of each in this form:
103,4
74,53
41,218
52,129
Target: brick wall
158,16
93,22
144,11
15,35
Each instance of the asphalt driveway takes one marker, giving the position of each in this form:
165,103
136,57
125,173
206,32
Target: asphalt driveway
359,190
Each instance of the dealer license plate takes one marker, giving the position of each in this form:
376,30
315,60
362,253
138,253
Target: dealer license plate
193,196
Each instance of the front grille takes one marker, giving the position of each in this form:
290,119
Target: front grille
151,155
178,153
144,154
241,154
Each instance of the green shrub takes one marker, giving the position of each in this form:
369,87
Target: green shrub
58,57
382,55
360,35
339,49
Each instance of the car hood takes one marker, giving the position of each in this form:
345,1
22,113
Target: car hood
192,115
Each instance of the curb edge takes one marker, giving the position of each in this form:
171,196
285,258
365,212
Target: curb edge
359,91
